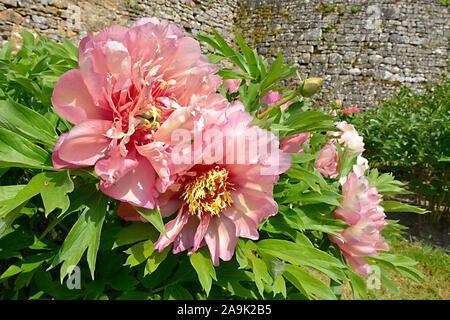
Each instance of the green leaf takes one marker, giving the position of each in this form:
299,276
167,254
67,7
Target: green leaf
54,192
136,232
139,253
201,261
302,157
122,280
177,292
314,181
358,285
16,151
85,234
11,271
395,206
27,122
154,260
303,255
154,217
329,197
308,284
9,192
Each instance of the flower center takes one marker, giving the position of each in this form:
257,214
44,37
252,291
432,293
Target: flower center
208,193
149,118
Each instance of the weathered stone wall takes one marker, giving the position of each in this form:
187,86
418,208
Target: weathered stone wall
362,48
71,19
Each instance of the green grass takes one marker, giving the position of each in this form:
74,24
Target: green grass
433,262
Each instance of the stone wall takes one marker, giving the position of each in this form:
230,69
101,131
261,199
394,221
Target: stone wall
70,19
363,49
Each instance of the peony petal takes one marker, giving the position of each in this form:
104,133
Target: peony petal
135,187
200,233
173,228
115,166
221,239
185,238
72,100
245,226
85,143
58,163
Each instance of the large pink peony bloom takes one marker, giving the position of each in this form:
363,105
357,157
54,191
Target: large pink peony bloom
134,86
227,193
362,211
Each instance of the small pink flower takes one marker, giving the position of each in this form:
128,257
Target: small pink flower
328,160
334,113
355,110
362,211
134,86
349,137
348,112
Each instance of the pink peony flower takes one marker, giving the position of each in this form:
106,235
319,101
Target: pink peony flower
222,198
362,211
292,144
349,137
328,160
134,86
348,112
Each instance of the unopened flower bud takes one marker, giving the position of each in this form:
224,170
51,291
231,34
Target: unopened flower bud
310,86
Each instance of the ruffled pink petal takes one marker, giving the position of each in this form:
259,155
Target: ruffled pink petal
185,239
221,239
200,233
245,226
115,166
85,143
135,187
72,100
58,163
182,118
173,228
359,264
256,205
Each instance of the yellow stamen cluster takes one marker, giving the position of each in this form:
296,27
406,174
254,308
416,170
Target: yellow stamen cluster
208,193
150,118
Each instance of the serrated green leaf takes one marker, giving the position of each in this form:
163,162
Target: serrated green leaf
136,232
154,217
201,261
308,284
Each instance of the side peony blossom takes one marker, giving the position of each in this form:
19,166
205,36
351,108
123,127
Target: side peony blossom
133,88
360,209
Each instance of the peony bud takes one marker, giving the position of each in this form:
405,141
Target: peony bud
310,86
